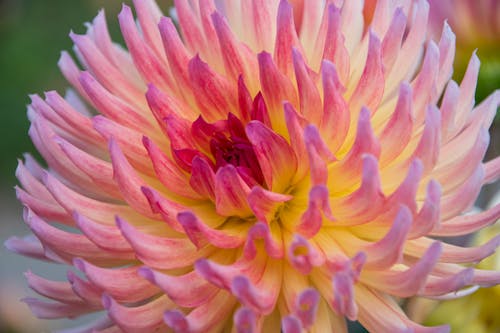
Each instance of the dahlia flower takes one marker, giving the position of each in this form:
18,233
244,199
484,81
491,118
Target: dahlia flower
251,174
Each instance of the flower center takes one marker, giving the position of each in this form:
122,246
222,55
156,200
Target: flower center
227,143
238,152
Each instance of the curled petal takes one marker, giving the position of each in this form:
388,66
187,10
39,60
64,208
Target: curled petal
264,203
188,290
200,234
307,306
140,319
291,324
271,238
410,281
303,256
245,320
312,219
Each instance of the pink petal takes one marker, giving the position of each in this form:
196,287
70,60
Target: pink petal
139,319
100,171
453,253
465,224
286,38
276,88
245,321
291,324
214,94
276,158
106,237
319,155
188,290
306,307
264,204
271,237
429,216
211,316
168,172
68,245
389,250
336,116
398,131
200,234
202,178
123,284
106,73
112,106
28,246
366,202
334,46
149,15
350,167
409,282
436,286
295,124
128,181
238,58
391,44
303,256
152,69
370,88
310,100
53,310
159,252
312,219
424,85
231,193
56,290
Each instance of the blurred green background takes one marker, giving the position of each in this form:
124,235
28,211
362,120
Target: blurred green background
32,35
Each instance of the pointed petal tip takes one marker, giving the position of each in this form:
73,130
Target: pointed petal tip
147,273
245,320
176,320
107,301
79,264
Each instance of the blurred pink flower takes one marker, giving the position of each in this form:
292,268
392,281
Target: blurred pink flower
477,27
475,22
257,174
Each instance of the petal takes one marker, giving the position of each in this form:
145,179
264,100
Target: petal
140,319
187,290
123,284
310,100
159,252
230,236
264,203
465,224
408,282
276,158
286,38
312,219
276,88
214,94
231,193
336,115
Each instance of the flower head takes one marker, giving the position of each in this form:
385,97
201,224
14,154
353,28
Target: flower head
254,173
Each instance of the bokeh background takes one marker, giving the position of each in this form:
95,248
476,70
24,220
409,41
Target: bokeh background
32,34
